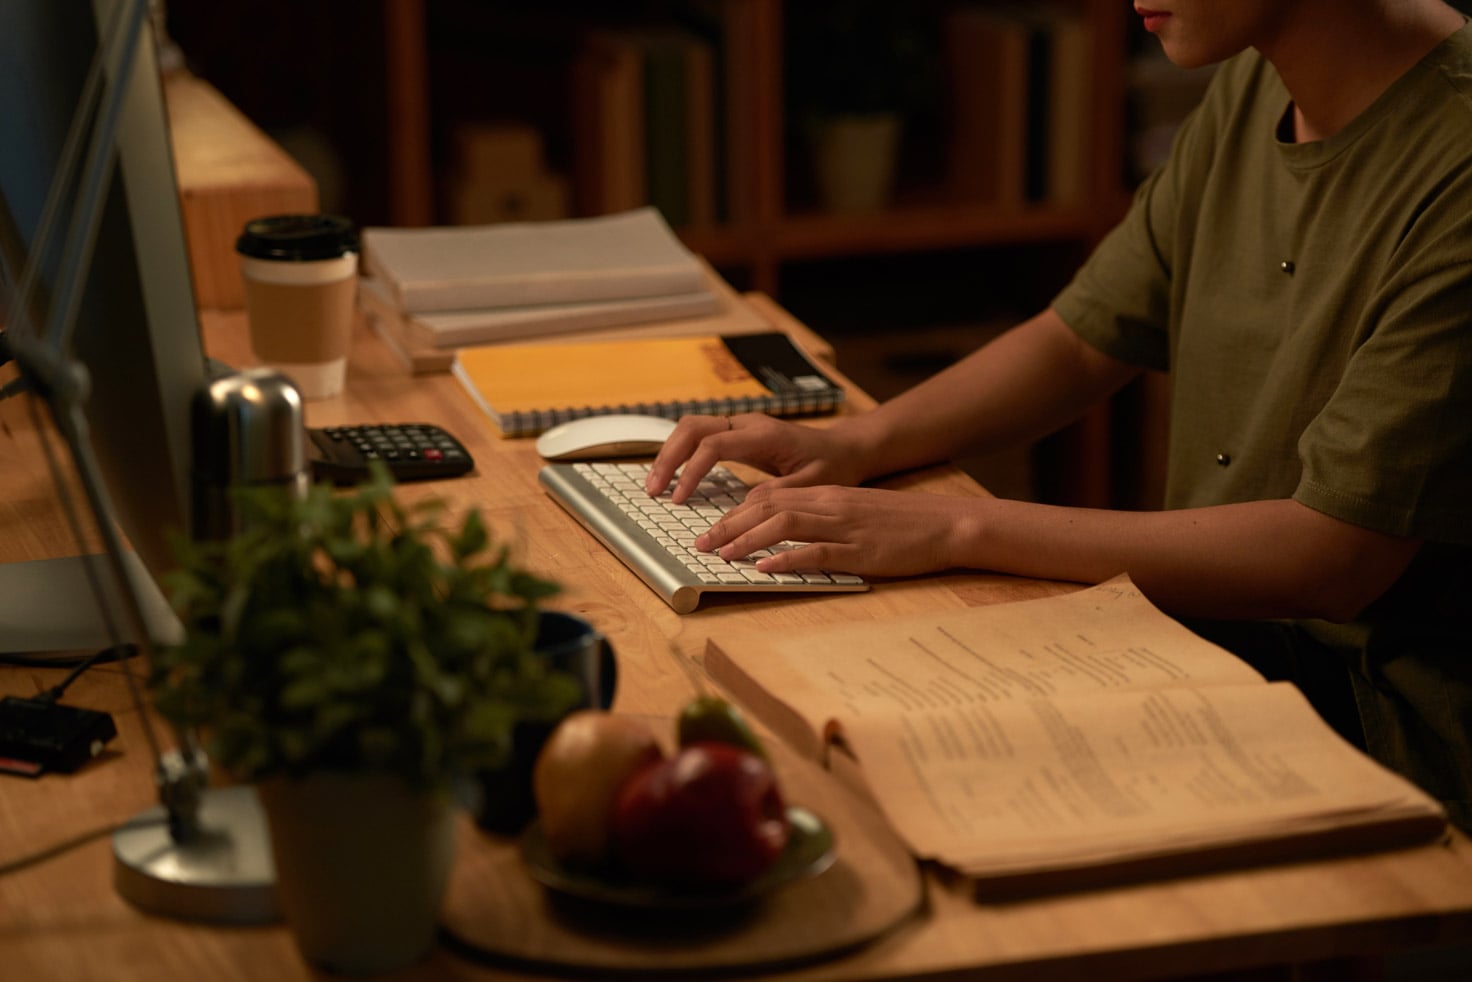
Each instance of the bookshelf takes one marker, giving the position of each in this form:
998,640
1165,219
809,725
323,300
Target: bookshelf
771,227
768,215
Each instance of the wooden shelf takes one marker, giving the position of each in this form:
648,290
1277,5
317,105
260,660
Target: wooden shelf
766,224
906,229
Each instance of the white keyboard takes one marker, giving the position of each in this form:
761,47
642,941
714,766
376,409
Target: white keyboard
655,537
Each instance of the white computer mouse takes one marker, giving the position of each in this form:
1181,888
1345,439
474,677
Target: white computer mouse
602,437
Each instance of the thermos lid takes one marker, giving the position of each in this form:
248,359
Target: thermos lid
248,429
297,238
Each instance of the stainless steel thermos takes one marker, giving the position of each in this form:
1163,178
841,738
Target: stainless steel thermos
248,430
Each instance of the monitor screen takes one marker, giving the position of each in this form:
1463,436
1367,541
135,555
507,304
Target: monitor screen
136,329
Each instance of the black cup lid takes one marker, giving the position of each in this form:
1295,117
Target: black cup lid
297,238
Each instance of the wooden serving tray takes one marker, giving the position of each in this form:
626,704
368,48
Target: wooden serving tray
495,911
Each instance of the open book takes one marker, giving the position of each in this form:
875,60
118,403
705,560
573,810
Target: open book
1071,741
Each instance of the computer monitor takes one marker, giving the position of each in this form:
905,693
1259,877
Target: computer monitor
136,328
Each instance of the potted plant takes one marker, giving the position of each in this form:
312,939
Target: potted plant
856,70
356,659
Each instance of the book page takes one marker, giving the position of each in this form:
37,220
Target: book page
1061,781
1099,639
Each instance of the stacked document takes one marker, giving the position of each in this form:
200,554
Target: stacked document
440,288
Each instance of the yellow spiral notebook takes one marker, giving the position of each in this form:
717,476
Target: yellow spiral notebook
527,388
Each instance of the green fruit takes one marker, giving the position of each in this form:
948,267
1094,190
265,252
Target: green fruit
714,720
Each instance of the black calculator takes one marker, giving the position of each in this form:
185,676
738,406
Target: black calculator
412,452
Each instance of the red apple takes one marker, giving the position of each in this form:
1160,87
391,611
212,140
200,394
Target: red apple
710,817
577,778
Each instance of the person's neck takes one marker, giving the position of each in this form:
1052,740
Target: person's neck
1337,57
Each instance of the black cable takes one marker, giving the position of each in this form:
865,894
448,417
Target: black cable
14,387
106,655
18,384
61,848
116,653
77,665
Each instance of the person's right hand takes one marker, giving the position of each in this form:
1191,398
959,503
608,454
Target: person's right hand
796,455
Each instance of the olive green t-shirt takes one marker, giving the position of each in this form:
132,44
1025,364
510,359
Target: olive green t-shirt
1313,306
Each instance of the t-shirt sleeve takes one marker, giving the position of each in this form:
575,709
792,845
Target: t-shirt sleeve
1392,448
1119,300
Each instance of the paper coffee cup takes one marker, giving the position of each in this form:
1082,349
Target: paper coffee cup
300,274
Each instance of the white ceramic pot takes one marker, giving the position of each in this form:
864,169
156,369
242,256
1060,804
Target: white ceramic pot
362,862
854,157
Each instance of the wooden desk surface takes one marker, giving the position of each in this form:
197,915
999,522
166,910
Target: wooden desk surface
61,919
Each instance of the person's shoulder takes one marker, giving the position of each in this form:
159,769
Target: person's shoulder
1453,60
1244,68
1436,98
1244,79
1245,97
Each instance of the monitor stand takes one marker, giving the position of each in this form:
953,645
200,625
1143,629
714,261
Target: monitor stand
224,873
49,608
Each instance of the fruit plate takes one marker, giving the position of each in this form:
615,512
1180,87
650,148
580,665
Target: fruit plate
809,852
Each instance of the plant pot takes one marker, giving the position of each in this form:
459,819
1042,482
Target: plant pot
854,159
362,861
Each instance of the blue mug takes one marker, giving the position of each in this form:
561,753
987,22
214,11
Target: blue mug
573,645
501,800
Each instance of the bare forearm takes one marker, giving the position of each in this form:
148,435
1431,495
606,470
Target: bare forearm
1264,559
1020,387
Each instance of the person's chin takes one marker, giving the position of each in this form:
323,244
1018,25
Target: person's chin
1183,54
1186,58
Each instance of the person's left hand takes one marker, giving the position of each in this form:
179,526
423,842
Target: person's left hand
867,531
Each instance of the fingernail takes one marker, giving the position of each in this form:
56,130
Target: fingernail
702,542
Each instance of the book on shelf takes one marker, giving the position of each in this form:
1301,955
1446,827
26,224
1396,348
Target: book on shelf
1070,742
1019,85
645,123
737,32
607,82
666,121
1070,78
703,141
986,58
527,388
516,264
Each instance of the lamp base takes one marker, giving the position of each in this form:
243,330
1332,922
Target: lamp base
226,876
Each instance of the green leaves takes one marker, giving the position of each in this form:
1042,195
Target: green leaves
346,631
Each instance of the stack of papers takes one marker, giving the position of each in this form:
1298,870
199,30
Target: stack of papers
441,288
